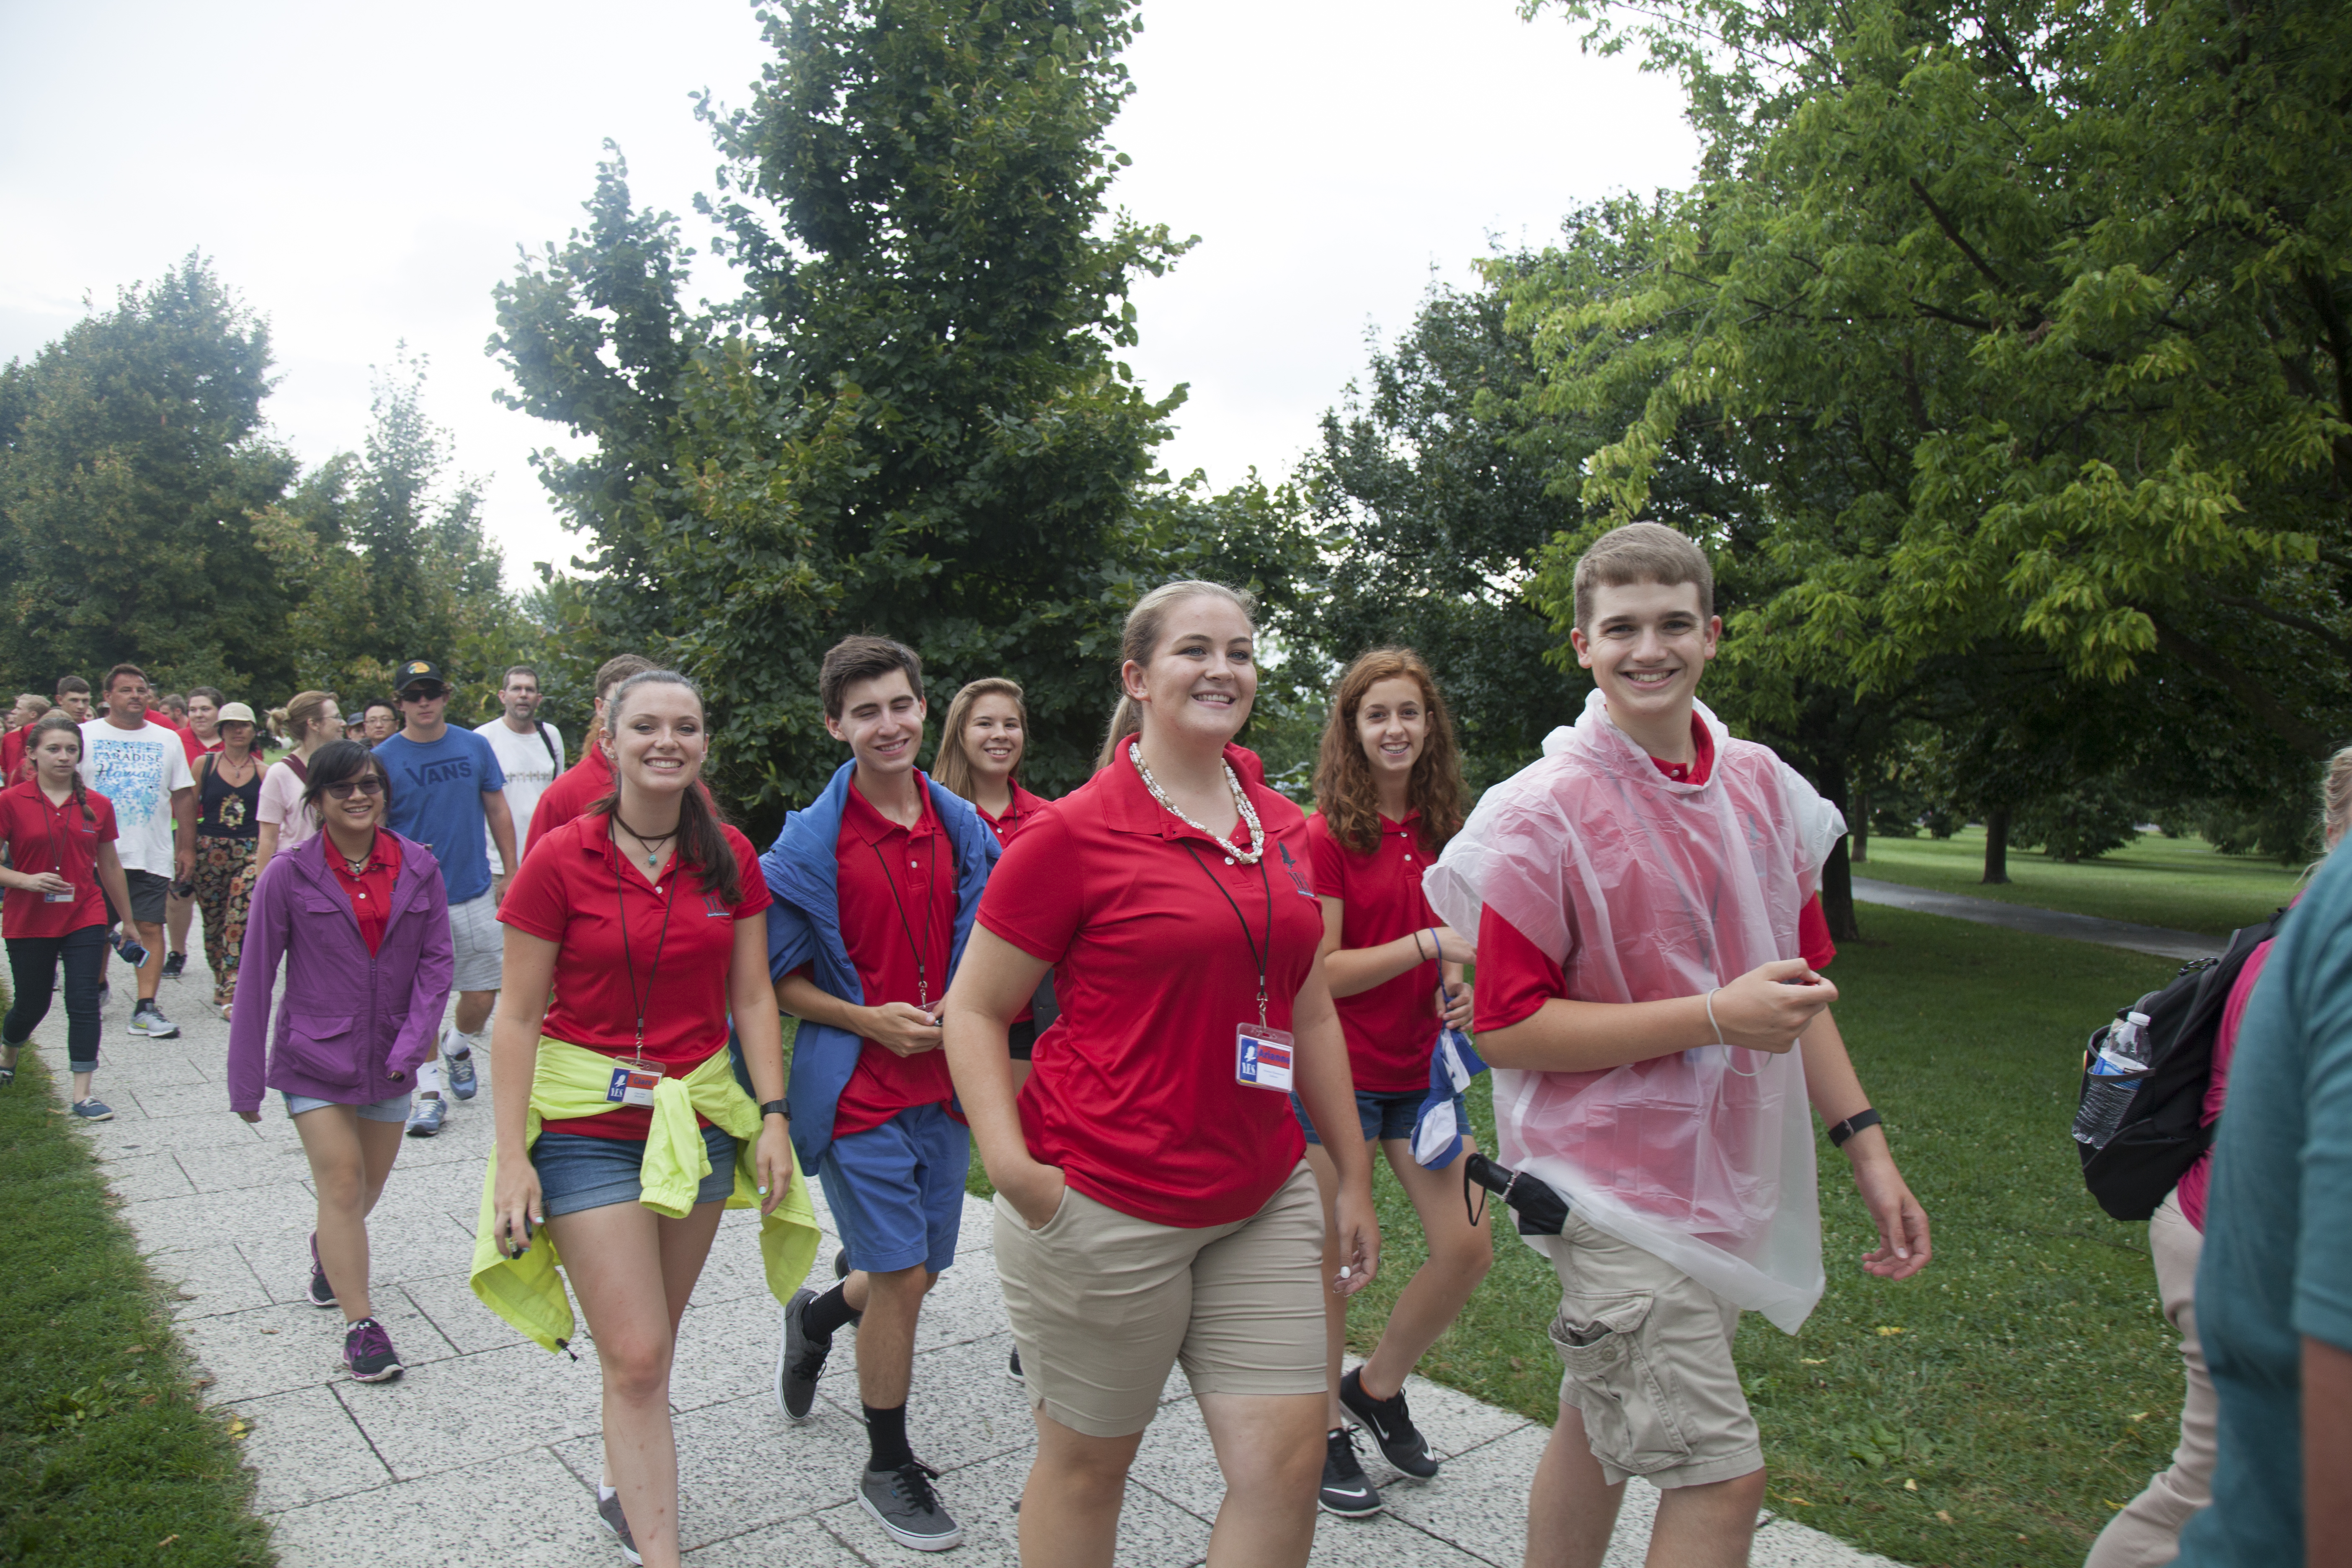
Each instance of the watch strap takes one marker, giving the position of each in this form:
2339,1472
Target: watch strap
775,1108
1851,1125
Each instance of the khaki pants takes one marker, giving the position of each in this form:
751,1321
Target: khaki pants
2148,1531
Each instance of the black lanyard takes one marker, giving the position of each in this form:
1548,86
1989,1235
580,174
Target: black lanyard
620,897
931,905
1261,958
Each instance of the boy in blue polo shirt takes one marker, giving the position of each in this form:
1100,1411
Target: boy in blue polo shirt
876,885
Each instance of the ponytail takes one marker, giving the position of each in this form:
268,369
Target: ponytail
702,826
1141,639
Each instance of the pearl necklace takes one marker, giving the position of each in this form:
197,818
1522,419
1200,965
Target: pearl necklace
1249,856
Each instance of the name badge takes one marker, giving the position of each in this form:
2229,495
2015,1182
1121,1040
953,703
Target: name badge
1262,1057
633,1083
57,897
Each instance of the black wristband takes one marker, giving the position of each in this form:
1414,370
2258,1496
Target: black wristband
775,1108
1851,1125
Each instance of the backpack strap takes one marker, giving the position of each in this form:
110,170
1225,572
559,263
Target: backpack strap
553,759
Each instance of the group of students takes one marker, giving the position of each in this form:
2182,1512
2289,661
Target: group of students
1156,1006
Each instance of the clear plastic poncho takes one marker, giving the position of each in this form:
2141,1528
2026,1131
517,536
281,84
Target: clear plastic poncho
1643,889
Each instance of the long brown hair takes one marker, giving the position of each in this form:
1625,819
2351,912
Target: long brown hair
701,841
952,767
1141,639
62,720
1344,791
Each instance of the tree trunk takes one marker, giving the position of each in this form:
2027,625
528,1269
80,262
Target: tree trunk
1997,846
1837,895
1859,829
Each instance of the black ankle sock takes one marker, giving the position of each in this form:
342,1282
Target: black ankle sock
828,1314
886,1433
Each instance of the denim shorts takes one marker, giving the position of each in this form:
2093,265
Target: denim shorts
577,1170
391,1107
1384,1116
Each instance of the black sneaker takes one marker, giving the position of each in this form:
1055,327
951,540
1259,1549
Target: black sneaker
800,1360
841,1263
608,1515
368,1355
175,965
1390,1426
903,1503
322,1293
1012,1370
1346,1490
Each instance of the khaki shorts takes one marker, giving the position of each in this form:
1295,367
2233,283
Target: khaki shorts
1103,1304
480,945
1648,1352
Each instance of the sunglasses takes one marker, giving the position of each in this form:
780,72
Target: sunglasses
423,693
370,787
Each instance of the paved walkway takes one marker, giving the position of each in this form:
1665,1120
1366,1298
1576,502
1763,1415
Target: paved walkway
486,1451
2158,941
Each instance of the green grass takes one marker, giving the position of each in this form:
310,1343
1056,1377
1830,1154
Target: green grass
2025,1350
106,1455
2182,883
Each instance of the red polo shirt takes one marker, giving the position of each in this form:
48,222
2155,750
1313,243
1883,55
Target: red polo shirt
370,892
1134,1094
1515,977
45,837
12,753
577,895
896,888
1024,807
574,791
1391,1026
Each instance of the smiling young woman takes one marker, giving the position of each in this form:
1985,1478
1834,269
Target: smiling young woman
1152,1161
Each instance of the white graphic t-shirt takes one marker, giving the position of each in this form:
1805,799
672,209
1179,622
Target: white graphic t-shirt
531,766
136,770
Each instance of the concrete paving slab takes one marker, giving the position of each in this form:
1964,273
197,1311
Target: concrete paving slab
459,1413
961,1408
453,1310
307,1449
135,1176
2158,941
236,1167
521,1510
795,1543
288,1346
212,1281
1152,1531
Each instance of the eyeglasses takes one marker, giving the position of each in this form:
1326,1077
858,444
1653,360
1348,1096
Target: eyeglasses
423,693
370,787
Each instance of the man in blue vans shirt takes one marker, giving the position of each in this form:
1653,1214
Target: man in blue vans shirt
446,790
2274,1284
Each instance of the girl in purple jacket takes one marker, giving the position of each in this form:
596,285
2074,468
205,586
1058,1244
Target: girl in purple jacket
362,918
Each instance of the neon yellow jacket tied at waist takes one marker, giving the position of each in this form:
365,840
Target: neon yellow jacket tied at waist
571,1082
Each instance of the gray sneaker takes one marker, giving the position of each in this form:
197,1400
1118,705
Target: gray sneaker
459,1070
148,1022
425,1115
903,1503
800,1360
608,1515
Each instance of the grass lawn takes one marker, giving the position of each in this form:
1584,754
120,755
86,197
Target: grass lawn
106,1455
2178,882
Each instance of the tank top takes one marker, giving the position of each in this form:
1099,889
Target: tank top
225,810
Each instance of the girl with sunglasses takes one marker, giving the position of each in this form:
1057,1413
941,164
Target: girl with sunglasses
361,917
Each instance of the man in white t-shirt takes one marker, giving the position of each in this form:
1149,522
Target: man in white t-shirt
142,771
530,752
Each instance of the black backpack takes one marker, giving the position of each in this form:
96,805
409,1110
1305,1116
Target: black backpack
2158,1138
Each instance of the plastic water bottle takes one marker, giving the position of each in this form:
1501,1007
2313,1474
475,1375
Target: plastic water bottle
2119,1062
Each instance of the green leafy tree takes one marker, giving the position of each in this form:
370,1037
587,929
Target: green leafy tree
911,420
132,455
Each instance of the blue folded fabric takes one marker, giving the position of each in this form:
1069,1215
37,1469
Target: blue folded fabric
1437,1130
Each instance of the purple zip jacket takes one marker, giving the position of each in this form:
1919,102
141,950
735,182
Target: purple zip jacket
354,1025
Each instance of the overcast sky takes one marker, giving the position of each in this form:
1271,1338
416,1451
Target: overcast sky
362,176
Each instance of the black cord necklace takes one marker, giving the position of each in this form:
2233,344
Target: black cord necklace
931,905
650,846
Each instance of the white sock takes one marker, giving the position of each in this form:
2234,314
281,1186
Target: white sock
468,1044
606,1493
428,1076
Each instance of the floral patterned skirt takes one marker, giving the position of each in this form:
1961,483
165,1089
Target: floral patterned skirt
225,873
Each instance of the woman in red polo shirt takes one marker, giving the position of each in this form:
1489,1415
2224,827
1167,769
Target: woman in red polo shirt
1153,1201
980,747
1388,793
61,842
633,931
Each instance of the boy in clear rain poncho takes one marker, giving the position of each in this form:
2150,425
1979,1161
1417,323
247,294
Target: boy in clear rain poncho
1649,939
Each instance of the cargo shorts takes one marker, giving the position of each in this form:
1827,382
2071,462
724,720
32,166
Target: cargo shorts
1647,1352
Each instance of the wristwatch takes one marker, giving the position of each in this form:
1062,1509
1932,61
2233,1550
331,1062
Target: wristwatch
775,1108
1851,1125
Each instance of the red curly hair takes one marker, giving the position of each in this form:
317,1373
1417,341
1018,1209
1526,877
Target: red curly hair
1344,791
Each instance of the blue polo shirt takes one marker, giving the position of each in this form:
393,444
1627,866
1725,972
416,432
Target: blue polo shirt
2277,1263
437,799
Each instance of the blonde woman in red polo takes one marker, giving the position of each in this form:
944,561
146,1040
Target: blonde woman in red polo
1153,1205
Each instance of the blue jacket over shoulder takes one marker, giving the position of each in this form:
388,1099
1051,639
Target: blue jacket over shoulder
804,925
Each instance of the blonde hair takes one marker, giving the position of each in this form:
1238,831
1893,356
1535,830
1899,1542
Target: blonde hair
2336,799
1141,639
1642,553
1344,791
34,701
952,767
300,714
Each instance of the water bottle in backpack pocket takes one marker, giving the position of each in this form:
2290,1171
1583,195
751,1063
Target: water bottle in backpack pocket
2114,1066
